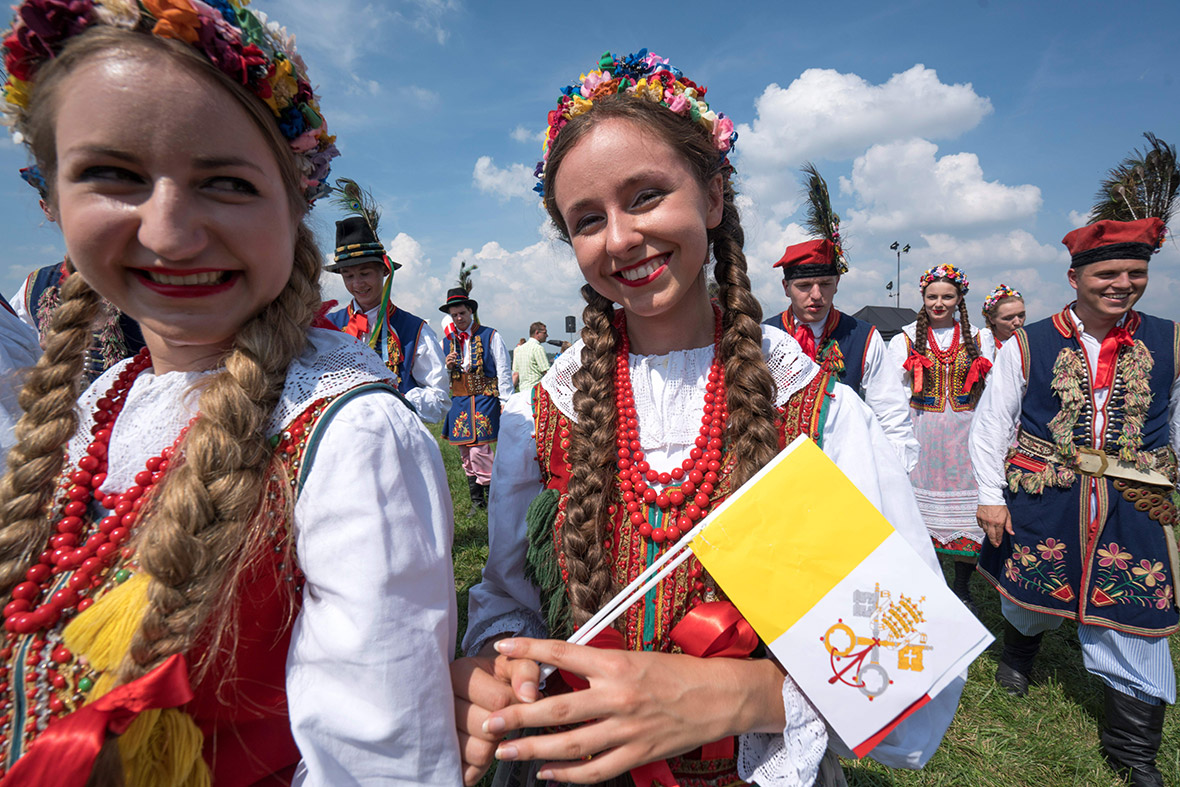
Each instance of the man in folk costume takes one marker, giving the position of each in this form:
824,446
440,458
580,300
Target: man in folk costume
405,341
1079,513
116,336
481,379
848,348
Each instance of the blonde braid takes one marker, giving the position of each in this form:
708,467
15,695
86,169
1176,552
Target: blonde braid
49,399
201,527
592,461
751,435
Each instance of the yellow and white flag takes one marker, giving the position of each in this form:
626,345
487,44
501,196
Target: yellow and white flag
847,606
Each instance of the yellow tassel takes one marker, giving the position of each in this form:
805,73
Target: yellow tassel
168,755
161,748
104,631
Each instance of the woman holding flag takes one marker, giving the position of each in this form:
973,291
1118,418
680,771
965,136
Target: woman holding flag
667,404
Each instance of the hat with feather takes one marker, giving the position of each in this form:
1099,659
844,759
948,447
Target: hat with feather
825,255
1132,208
356,236
461,295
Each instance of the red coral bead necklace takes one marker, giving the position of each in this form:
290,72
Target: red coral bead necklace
32,607
687,503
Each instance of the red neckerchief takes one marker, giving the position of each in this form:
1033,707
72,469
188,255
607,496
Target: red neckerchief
1108,355
802,331
358,323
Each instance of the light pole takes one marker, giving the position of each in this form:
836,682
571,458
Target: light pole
895,246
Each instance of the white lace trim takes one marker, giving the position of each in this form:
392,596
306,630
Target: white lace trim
669,389
791,759
159,406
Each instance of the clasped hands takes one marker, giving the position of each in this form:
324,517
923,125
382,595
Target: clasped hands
640,707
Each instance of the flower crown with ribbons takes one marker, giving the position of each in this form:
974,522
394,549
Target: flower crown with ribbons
646,75
1001,292
252,51
948,272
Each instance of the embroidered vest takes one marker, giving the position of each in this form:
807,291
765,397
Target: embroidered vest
842,347
474,417
116,337
239,708
1091,547
399,337
943,380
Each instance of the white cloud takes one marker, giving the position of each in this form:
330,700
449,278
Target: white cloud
905,186
824,114
515,288
1078,219
523,134
513,181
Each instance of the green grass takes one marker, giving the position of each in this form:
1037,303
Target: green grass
1047,739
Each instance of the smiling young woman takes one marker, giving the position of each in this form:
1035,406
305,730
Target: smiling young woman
667,404
943,369
178,552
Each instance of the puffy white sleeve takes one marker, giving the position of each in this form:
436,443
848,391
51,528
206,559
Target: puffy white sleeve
993,428
19,349
879,475
368,670
432,397
503,367
17,302
889,401
504,602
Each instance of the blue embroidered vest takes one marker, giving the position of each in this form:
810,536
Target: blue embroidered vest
474,417
841,348
397,343
1091,548
116,336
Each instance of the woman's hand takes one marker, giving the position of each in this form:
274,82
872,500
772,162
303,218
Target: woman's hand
642,707
995,521
483,684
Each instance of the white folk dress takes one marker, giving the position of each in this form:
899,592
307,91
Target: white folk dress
368,668
669,399
943,479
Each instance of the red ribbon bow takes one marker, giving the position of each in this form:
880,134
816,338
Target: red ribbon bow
979,369
715,629
916,363
64,754
358,324
321,317
806,339
1108,355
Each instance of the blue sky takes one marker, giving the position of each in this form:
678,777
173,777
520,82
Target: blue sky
974,130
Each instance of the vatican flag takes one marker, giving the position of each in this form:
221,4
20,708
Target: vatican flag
856,617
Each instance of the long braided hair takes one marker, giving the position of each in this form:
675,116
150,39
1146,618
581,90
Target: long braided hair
202,524
750,434
965,336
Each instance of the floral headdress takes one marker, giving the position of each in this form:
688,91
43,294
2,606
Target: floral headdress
243,44
642,74
948,272
1001,292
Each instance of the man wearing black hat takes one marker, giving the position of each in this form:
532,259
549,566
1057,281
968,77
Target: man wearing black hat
406,342
481,377
1074,446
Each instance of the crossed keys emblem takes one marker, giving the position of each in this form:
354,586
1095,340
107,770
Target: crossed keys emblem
856,659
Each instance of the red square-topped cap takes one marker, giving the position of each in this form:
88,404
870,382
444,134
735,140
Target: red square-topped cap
1114,240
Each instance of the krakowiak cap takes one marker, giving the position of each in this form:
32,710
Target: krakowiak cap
809,259
1114,240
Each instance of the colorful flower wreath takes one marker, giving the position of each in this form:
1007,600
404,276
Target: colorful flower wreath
948,272
642,74
1001,292
243,44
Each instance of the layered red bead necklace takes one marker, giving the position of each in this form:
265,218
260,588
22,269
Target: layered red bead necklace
945,357
30,609
687,503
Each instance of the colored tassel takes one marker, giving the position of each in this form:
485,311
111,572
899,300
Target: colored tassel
541,565
105,630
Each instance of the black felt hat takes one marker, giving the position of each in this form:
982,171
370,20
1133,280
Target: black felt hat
457,296
356,243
